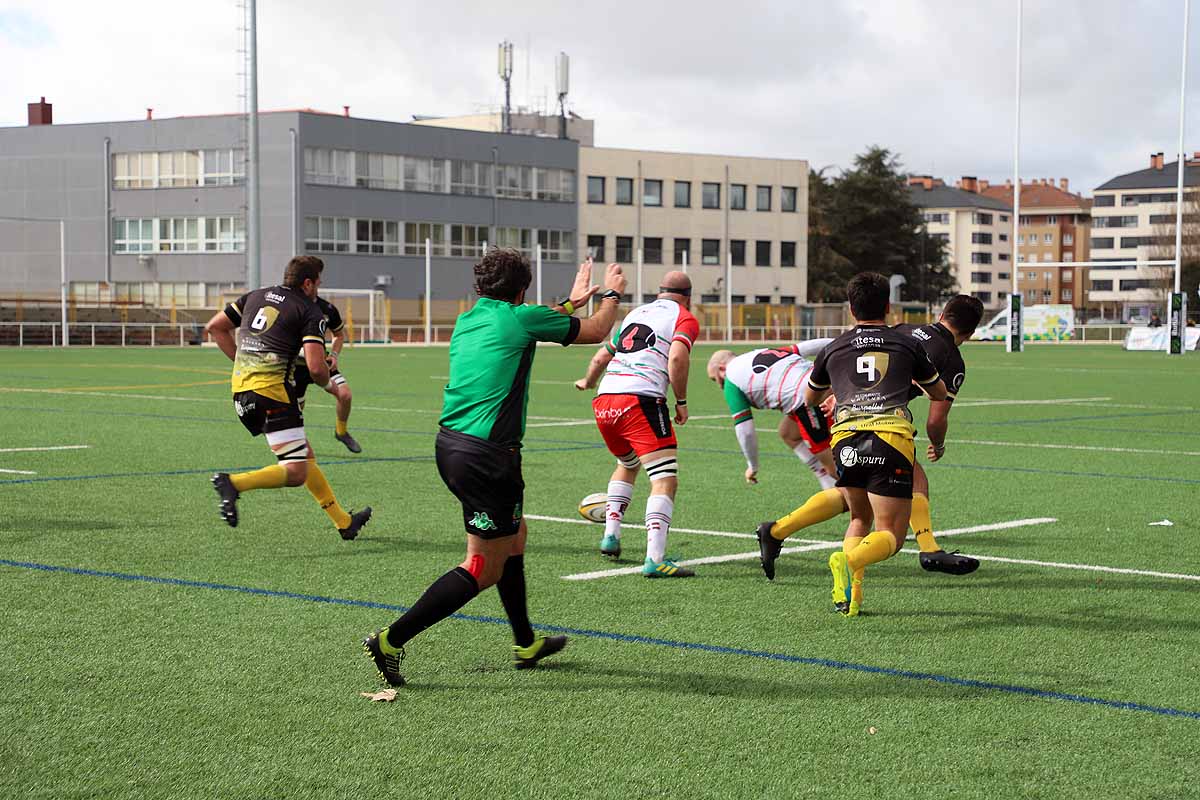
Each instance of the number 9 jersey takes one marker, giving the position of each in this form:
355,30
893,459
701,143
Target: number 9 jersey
273,325
871,368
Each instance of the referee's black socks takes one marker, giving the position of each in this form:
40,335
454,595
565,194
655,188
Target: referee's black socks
446,595
512,594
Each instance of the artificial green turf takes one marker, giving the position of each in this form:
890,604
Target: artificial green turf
112,688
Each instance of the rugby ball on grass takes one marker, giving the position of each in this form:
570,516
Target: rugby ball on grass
592,508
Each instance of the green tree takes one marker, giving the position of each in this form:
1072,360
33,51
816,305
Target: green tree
865,219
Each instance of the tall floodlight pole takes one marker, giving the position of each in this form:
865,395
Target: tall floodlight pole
1177,319
1016,328
253,234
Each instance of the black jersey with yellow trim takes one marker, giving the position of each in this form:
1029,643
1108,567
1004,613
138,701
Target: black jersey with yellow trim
333,317
938,342
871,369
273,324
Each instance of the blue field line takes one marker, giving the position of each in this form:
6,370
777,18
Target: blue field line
891,672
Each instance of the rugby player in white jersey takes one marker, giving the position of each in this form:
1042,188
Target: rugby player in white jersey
773,379
649,351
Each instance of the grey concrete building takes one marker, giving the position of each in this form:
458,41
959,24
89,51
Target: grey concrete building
155,208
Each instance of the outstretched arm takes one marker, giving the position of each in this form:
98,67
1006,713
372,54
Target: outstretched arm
595,369
678,366
743,428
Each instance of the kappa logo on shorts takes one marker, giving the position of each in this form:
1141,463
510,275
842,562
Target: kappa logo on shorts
482,521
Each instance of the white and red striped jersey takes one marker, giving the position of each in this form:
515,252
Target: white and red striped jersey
641,345
773,378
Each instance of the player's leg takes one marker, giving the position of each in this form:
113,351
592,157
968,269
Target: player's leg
647,427
933,558
340,389
809,440
285,435
348,524
620,493
848,582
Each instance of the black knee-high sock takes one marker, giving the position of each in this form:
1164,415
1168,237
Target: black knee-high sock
446,595
512,595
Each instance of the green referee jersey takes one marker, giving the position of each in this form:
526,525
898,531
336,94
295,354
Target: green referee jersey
491,358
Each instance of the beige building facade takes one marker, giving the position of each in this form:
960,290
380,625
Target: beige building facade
707,212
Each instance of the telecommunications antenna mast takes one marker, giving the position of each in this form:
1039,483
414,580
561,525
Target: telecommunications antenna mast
504,68
562,80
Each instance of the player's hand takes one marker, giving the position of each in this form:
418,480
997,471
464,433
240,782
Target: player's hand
332,360
828,404
614,279
751,475
582,385
582,290
681,415
933,453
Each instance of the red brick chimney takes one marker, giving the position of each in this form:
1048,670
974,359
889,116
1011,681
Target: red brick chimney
41,113
924,181
969,184
149,113
345,111
983,185
1156,160
1062,184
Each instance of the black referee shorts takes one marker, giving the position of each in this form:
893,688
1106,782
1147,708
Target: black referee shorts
486,479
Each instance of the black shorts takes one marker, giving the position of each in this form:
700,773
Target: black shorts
814,427
486,479
260,414
865,461
304,379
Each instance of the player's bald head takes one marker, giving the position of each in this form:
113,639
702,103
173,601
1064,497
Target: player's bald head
717,362
675,280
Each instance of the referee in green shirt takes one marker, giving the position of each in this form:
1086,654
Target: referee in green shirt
479,446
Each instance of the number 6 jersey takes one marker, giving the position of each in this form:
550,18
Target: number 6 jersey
272,326
871,368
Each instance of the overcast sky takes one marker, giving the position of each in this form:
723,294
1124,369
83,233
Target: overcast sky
930,79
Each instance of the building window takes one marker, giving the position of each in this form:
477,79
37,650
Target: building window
133,235
415,234
466,241
787,299
1052,219
1102,243
941,217
180,168
1020,258
651,192
1003,256
1033,258
985,297
981,258
1002,296
475,178
1067,294
1004,217
1031,276
737,252
683,194
324,165
557,245
683,248
980,218
595,188
512,180
1004,237
787,199
787,254
384,170
710,195
737,196
1068,276
763,195
1020,238
981,277
1003,276
1104,200
1130,284
1049,276
710,298
1068,256
762,298
710,251
1115,222
1047,238
1068,238
179,235
738,298
624,191
228,234
376,236
625,249
596,247
1102,286
940,237
1136,241
327,234
981,238
762,254
652,252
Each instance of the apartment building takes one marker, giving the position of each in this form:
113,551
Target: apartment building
1055,227
702,211
976,229
155,208
1133,219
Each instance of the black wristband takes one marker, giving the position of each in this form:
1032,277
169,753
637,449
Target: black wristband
613,293
681,402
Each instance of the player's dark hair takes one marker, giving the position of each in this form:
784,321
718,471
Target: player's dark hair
502,274
868,293
300,269
963,312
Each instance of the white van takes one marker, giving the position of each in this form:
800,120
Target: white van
1043,323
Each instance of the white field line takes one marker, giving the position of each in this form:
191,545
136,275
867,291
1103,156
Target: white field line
1016,402
571,424
612,573
17,472
119,394
1095,448
1085,567
44,449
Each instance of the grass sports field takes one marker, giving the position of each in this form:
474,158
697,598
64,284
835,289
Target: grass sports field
150,651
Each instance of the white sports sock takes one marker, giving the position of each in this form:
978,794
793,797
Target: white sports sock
619,495
826,480
659,508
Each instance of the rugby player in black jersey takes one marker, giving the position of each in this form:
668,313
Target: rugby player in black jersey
870,370
282,324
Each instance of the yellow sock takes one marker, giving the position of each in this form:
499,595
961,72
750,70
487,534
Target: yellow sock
272,477
319,488
823,505
922,525
340,427
875,547
856,590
